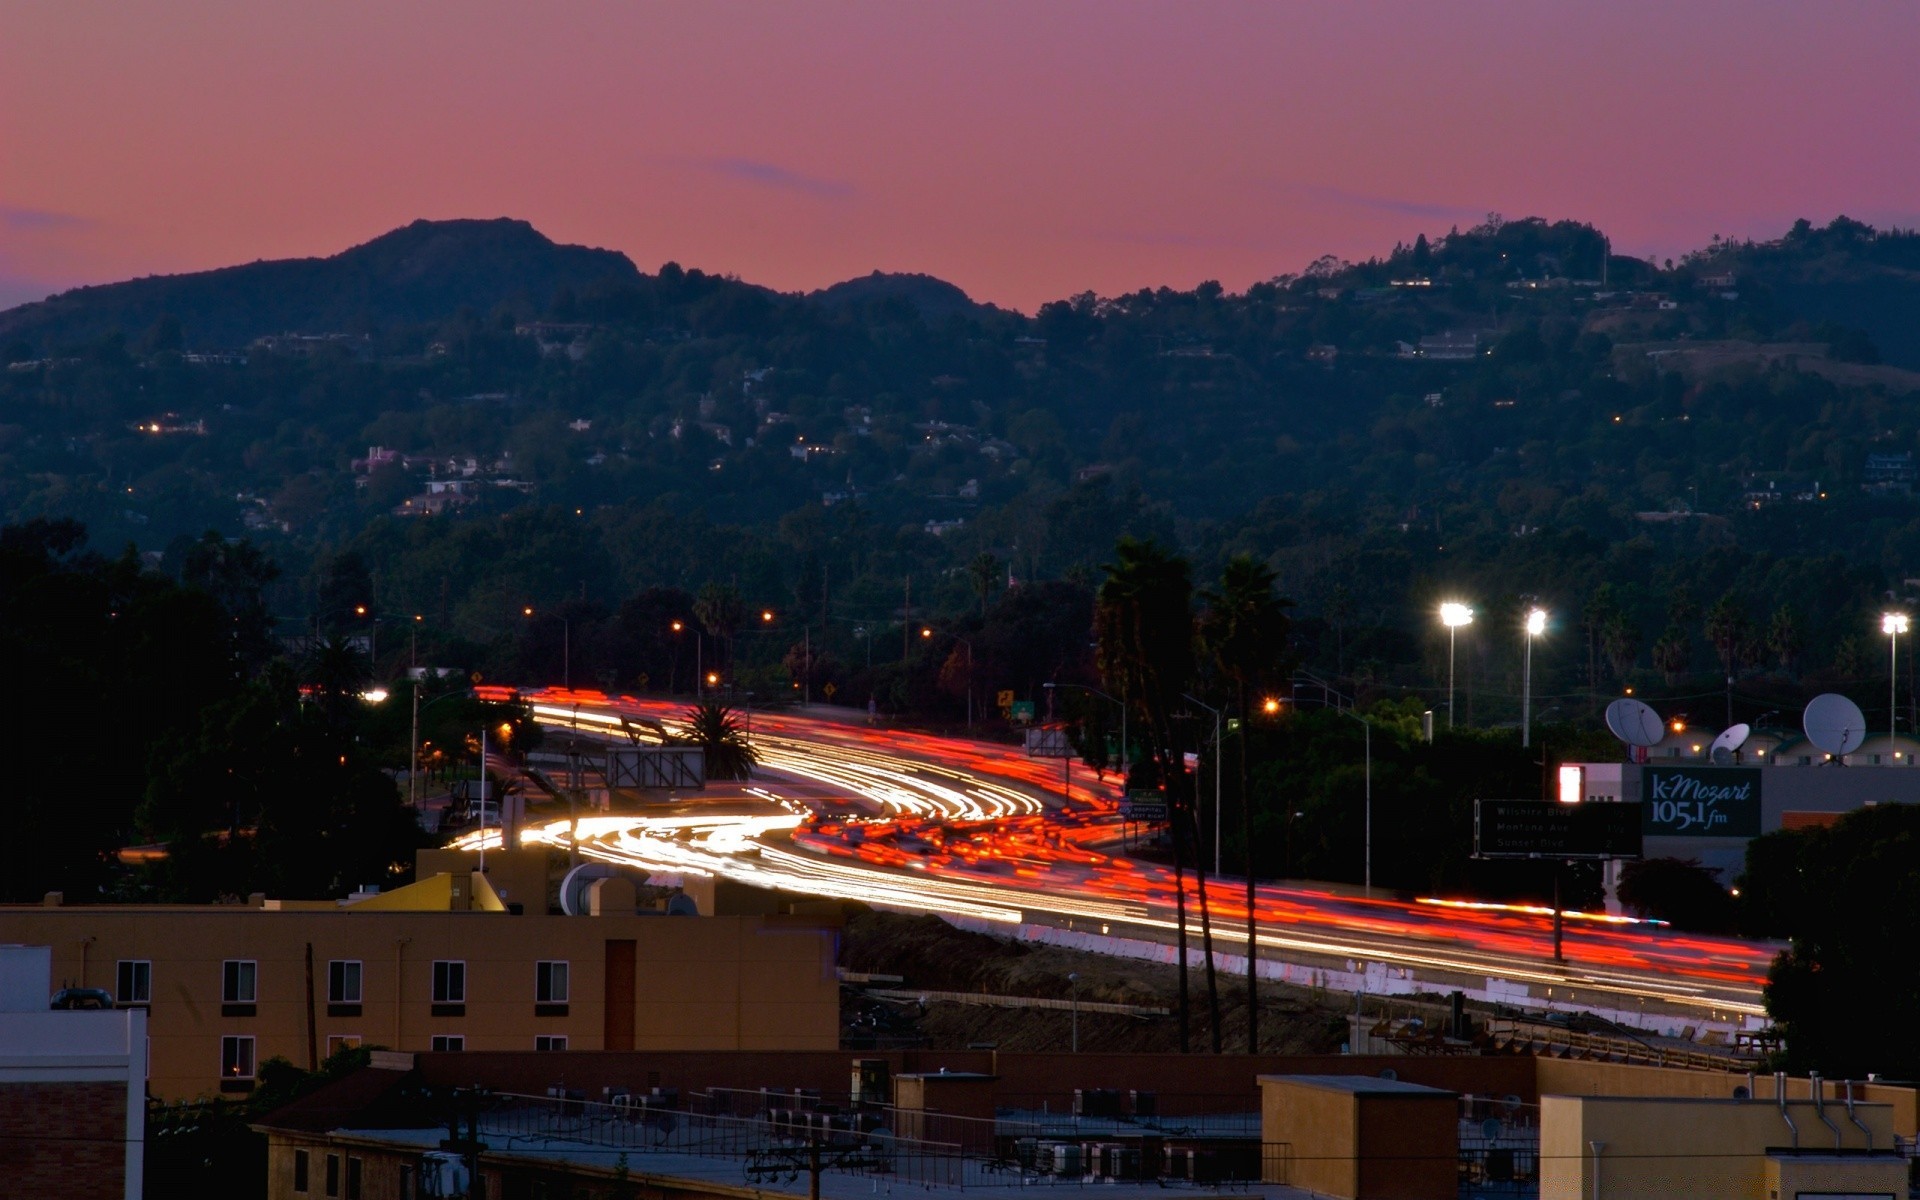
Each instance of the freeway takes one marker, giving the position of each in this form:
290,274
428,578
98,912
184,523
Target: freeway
979,831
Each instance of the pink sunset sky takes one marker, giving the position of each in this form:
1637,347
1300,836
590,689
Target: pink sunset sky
1023,151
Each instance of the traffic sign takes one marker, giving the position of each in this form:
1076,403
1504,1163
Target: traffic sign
1545,829
1003,698
828,691
1021,710
1147,807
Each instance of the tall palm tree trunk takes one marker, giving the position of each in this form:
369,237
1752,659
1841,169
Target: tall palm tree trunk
1180,923
1246,840
1206,927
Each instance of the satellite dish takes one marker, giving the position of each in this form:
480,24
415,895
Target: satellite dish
1635,724
1491,1128
574,885
1730,740
1835,724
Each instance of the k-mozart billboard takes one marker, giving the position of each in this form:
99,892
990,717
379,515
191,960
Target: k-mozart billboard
1701,802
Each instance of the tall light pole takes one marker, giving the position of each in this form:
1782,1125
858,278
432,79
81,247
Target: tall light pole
1073,984
1536,625
1217,756
1453,616
1893,625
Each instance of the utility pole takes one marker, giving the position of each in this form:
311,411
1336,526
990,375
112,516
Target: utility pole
906,625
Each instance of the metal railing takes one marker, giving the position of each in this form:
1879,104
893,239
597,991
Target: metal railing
786,1143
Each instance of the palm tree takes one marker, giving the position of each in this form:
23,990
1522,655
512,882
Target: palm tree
1245,629
1783,636
720,611
1673,653
1620,641
714,729
984,573
1143,618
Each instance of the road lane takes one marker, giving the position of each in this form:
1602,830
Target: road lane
979,830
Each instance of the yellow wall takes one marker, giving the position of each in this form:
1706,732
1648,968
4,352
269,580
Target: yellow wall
1573,1077
1657,1149
716,983
1322,1128
1788,1176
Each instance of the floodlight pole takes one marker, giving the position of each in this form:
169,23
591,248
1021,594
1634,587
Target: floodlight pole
1893,684
1526,697
1452,630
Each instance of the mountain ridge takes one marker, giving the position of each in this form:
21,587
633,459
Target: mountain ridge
422,271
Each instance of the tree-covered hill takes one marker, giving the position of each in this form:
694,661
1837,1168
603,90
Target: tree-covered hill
427,271
1503,411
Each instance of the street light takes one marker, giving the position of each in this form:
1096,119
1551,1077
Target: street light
1217,756
1453,616
1893,625
1536,625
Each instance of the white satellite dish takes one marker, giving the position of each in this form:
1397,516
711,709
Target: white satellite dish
1834,723
574,885
1730,740
1635,724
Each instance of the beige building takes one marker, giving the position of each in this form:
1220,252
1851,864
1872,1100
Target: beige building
1646,1148
438,966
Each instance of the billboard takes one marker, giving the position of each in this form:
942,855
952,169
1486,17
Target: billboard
1048,743
1701,802
657,767
1542,829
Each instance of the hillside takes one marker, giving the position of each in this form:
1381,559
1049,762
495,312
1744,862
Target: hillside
424,272
1506,410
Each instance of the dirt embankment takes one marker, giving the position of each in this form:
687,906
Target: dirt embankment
931,955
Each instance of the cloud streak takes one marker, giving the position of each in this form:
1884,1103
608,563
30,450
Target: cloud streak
39,220
1337,197
772,175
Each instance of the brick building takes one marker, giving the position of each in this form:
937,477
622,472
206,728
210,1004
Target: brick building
72,1089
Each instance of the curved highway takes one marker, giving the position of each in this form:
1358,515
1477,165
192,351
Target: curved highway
978,830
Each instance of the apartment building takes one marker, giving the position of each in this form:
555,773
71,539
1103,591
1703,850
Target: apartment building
440,966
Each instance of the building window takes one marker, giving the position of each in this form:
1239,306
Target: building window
300,1171
133,982
353,1179
550,983
333,1174
240,982
449,982
445,1042
236,1057
343,981
550,1041
336,1042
